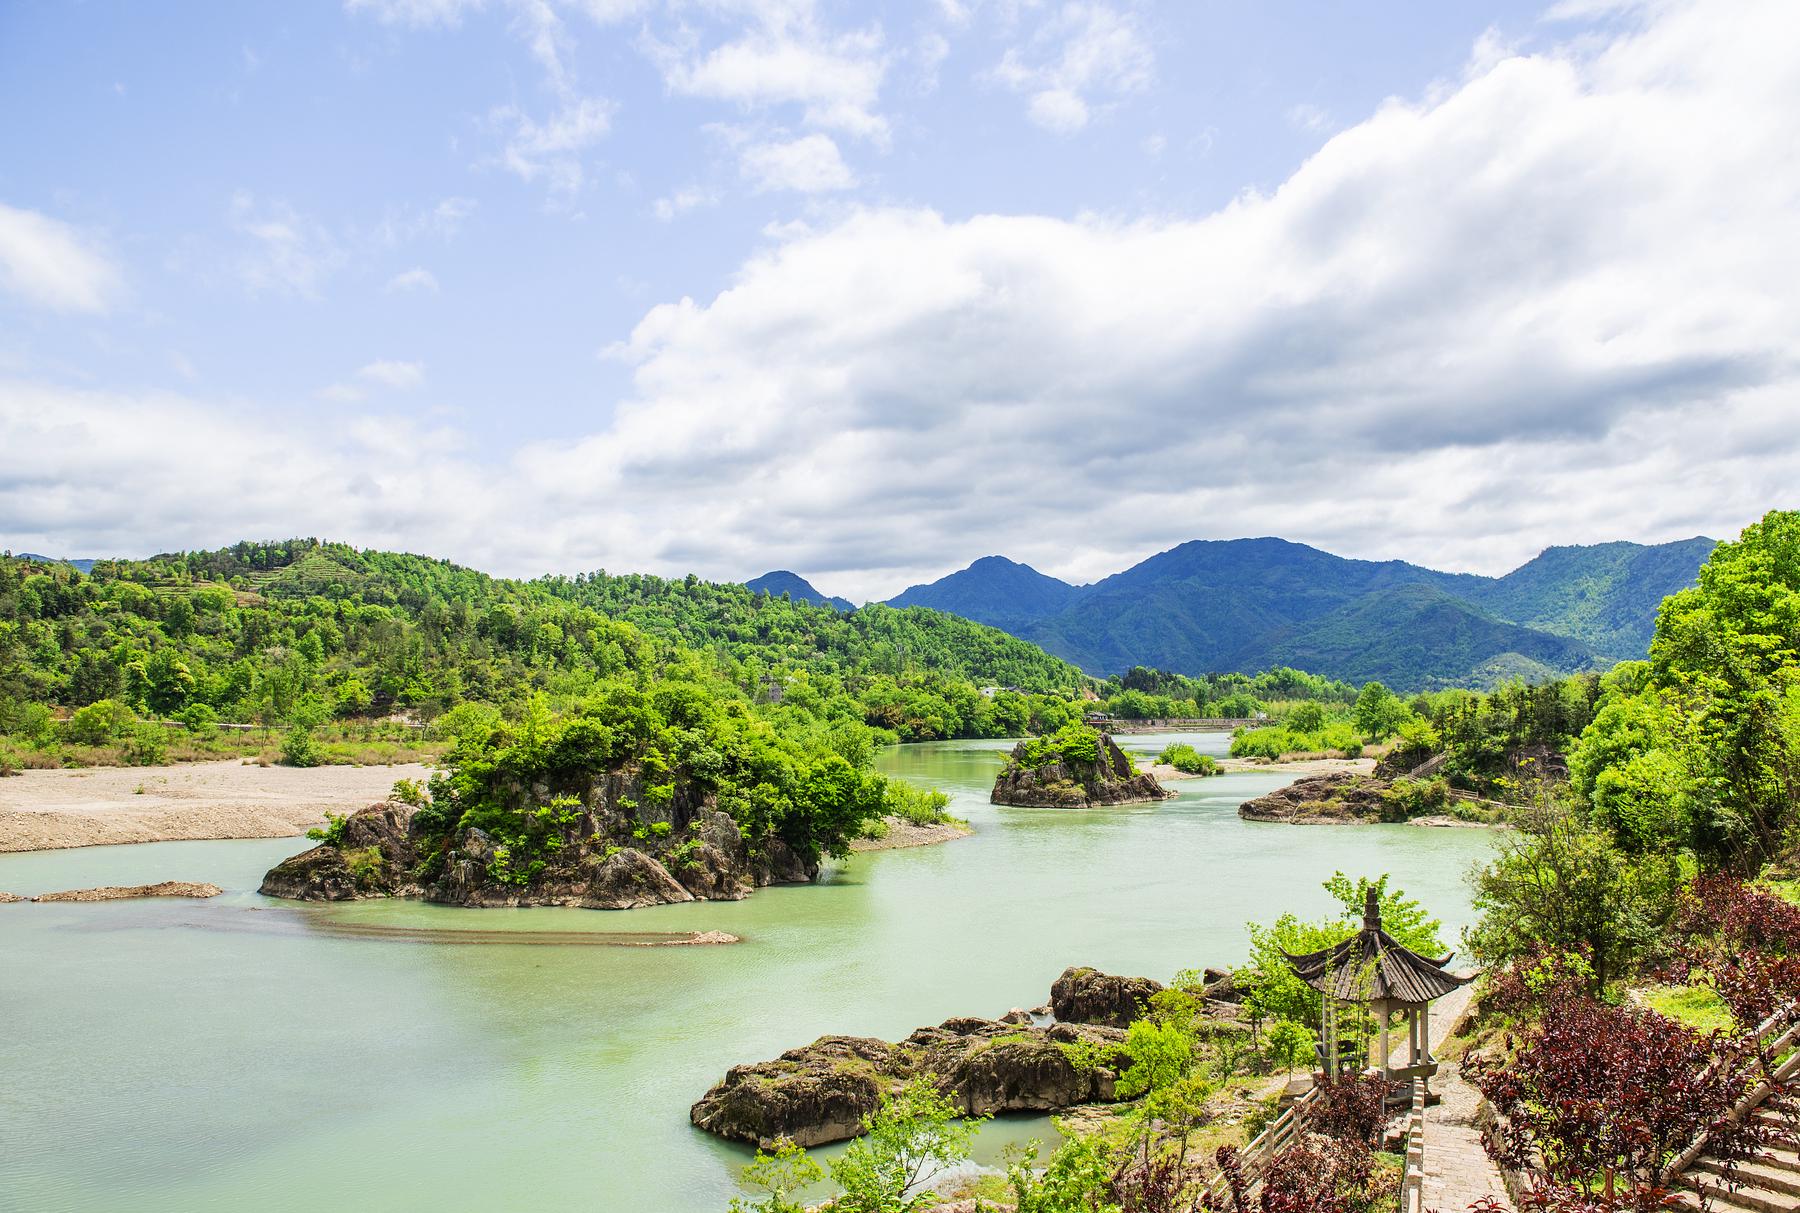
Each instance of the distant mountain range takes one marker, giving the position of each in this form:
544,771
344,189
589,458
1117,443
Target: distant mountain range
799,589
1249,604
85,566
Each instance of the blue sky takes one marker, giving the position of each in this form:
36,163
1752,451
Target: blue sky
872,290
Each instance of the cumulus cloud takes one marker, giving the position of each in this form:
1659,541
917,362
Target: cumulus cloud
787,59
51,265
1082,51
1554,301
809,165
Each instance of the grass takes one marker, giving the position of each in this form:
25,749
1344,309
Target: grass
1697,1007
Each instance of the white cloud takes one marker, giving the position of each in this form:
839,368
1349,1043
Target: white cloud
1555,302
551,149
418,278
52,265
810,164
835,79
1081,51
286,251
680,202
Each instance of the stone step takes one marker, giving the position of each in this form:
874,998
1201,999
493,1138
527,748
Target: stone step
1745,1197
1762,1173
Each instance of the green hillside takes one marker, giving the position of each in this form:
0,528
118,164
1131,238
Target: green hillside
301,633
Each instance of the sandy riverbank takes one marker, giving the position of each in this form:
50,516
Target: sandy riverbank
902,833
1305,766
100,806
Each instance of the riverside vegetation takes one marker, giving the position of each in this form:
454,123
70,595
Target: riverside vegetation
1636,929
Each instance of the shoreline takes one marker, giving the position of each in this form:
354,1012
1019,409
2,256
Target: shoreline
902,834
50,810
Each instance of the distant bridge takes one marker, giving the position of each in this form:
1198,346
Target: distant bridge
1185,724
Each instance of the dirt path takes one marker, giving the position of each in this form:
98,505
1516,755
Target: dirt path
43,810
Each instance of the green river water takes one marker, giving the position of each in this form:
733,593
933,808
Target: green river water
249,1054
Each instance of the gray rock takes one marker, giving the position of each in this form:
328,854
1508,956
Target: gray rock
1084,995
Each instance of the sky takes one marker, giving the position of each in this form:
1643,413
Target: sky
868,291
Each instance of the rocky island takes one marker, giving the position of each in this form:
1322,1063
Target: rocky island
603,858
1076,767
1069,1052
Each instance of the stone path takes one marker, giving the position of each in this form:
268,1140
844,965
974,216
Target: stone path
1458,1171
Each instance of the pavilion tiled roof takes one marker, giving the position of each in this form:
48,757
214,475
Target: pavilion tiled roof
1372,966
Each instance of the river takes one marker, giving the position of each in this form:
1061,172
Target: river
245,1053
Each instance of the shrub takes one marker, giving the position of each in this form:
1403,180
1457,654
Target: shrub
98,723
912,1134
1598,1097
1406,799
332,832
198,717
299,749
920,806
145,745
1184,757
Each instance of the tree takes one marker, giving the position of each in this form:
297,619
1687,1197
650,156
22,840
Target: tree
1728,653
914,1132
1562,882
779,1173
1379,712
1289,1044
1272,979
1308,717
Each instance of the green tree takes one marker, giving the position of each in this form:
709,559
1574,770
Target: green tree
1560,881
914,1133
1379,712
779,1173
1728,653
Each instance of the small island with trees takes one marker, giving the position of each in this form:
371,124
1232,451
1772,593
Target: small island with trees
1075,767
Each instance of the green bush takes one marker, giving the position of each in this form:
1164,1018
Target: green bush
198,717
145,745
1071,743
98,723
332,832
1185,758
919,806
1406,799
299,749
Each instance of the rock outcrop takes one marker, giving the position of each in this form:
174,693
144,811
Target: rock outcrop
1057,780
827,1090
1338,798
1083,995
599,854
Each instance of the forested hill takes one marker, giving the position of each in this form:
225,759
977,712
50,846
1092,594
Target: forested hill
1252,604
298,630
